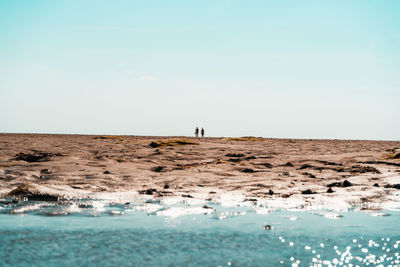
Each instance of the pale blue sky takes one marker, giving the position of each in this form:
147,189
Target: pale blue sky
298,69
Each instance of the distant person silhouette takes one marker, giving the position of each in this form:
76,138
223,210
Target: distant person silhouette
196,132
202,132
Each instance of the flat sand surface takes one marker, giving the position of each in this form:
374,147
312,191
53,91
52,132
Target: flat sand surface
212,168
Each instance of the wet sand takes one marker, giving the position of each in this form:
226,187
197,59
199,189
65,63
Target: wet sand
362,174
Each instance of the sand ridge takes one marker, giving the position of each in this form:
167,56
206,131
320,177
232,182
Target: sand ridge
361,173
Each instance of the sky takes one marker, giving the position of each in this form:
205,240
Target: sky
282,69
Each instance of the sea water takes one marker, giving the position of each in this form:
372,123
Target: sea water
99,233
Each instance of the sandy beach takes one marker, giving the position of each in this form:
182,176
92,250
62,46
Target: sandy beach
332,174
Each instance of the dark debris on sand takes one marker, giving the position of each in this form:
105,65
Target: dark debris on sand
395,186
234,155
345,183
159,169
31,193
307,192
248,170
149,191
35,156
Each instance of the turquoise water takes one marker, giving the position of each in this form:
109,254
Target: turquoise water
34,234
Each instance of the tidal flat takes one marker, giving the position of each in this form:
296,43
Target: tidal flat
274,173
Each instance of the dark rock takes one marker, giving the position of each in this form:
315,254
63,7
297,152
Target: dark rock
106,172
307,192
335,184
207,207
345,183
267,227
235,160
376,185
285,173
31,193
329,190
288,164
158,169
363,169
234,155
250,157
305,166
149,191
187,195
154,144
329,163
45,171
33,157
396,186
166,186
248,170
270,192
46,177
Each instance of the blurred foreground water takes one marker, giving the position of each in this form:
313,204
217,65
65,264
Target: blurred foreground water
99,233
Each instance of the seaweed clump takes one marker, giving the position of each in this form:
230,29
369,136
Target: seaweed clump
172,142
35,156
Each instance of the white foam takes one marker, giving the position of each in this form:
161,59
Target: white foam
175,212
73,209
283,203
379,214
27,208
99,206
331,215
231,199
227,215
116,212
391,205
263,210
118,197
181,200
148,207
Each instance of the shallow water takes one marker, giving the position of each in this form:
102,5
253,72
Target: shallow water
137,234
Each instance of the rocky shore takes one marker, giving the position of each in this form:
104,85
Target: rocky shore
331,174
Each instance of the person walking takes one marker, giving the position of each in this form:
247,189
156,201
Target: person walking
202,132
196,132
